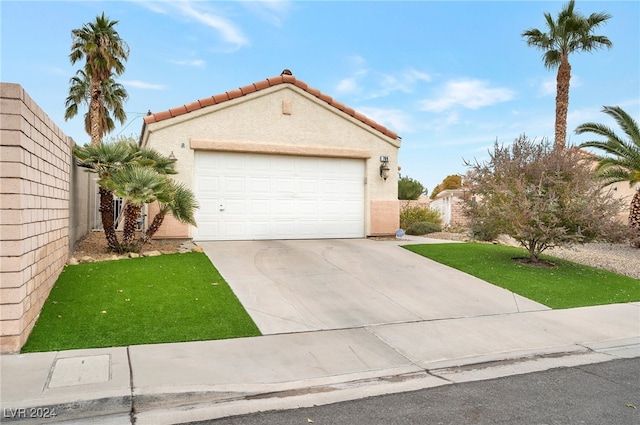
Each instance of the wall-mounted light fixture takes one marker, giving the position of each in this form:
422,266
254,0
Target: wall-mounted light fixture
172,157
384,167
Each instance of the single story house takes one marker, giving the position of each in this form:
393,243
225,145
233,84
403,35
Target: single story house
278,159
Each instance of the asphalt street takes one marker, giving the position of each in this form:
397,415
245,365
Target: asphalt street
595,394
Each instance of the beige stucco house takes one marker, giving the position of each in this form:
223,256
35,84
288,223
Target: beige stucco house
278,159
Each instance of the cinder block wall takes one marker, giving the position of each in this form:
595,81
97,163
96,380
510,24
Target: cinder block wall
385,217
35,164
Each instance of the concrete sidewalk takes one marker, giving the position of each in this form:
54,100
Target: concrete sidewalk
172,383
357,357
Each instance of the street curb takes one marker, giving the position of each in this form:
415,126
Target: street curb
189,406
247,403
82,411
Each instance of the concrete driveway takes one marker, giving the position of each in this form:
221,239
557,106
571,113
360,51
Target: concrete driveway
307,285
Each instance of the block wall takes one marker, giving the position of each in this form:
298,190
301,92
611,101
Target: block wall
35,168
385,218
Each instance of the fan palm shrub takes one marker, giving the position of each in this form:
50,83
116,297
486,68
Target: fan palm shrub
621,159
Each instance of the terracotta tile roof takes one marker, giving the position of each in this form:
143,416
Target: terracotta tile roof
284,78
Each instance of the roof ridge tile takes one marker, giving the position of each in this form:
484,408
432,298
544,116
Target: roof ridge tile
261,85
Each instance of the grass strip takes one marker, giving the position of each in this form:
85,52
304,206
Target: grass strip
567,285
169,298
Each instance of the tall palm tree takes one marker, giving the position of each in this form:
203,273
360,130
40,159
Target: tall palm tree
114,96
182,206
105,159
105,53
622,162
571,32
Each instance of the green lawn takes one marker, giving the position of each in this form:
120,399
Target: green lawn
169,298
566,286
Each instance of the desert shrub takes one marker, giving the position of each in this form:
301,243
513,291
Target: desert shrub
481,231
540,196
423,227
413,214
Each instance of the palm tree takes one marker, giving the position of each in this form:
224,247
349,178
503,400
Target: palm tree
105,54
571,32
622,162
147,157
105,159
139,186
182,206
114,96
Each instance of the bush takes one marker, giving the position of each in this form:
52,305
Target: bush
414,214
409,189
540,196
423,227
482,231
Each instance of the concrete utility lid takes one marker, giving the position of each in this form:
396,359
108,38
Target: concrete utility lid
80,371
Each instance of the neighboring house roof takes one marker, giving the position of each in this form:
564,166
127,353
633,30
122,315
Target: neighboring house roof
451,193
284,78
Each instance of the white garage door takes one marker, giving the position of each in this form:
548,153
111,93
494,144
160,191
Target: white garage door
258,196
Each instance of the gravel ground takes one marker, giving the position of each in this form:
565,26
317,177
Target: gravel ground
94,245
619,258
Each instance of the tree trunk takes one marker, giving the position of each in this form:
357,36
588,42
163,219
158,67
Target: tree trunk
562,102
106,213
94,112
131,215
533,254
153,227
634,220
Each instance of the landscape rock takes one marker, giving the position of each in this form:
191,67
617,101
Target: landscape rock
197,249
507,240
73,261
151,253
87,259
134,255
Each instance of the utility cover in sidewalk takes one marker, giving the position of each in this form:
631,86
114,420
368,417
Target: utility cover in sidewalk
80,370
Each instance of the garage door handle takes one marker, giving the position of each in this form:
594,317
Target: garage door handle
221,208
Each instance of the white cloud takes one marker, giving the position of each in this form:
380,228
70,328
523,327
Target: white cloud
272,11
469,93
227,29
193,62
548,87
395,119
404,81
143,85
381,83
347,86
200,11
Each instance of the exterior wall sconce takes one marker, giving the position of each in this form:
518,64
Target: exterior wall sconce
384,167
172,157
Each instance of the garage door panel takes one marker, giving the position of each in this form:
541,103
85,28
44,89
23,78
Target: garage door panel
284,185
259,185
283,207
259,208
231,207
260,229
307,207
254,196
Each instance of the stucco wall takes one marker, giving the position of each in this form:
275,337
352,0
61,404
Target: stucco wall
623,191
34,212
287,120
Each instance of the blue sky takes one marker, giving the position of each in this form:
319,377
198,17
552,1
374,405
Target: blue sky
450,77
